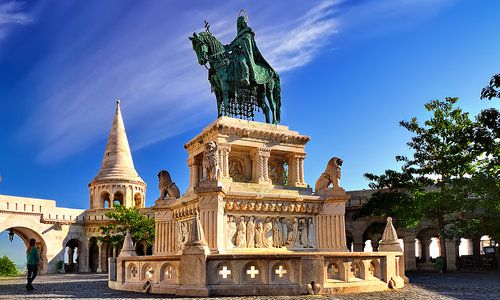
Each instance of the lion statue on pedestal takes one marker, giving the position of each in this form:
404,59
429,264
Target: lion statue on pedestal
168,189
331,175
211,170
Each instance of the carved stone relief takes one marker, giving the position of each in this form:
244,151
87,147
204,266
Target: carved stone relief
270,232
237,169
277,171
184,232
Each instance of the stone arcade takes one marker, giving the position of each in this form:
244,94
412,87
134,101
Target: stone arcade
249,224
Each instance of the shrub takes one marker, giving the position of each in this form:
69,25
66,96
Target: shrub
7,267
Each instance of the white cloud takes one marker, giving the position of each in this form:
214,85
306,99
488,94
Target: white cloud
154,71
11,13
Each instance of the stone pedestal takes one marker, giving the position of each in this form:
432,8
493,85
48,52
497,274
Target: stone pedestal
331,220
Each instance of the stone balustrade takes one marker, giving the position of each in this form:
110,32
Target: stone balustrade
265,273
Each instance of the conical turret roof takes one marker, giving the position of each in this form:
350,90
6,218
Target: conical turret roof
117,163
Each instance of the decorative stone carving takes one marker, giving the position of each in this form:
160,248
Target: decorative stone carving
183,237
331,175
128,248
168,188
211,169
270,232
390,240
251,232
277,172
237,169
230,232
241,234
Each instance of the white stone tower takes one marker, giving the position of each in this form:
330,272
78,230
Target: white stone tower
117,181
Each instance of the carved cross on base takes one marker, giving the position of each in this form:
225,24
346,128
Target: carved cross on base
280,271
224,272
252,272
133,271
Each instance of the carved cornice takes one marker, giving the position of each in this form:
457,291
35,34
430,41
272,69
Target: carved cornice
275,134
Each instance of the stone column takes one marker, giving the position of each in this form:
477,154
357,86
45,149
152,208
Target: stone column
260,172
358,246
409,252
224,160
111,199
296,170
194,169
451,255
99,261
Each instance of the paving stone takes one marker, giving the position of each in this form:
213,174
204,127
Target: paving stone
477,286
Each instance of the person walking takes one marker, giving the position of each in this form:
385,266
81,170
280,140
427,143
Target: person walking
33,258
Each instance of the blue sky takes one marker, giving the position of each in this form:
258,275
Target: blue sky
351,70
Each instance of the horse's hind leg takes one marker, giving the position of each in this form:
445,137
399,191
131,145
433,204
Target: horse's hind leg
261,99
270,98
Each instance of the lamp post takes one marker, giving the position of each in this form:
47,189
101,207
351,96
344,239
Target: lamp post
11,235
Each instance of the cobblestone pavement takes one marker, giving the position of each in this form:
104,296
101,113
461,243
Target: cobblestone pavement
423,286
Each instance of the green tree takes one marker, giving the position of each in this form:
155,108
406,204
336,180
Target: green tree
493,89
122,219
7,267
434,182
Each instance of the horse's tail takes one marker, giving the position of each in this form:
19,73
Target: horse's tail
277,96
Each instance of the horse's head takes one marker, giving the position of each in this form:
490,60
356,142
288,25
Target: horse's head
201,47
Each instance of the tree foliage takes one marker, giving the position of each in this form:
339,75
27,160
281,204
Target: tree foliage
7,267
493,89
452,177
122,219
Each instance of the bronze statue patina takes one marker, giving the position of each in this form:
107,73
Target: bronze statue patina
239,75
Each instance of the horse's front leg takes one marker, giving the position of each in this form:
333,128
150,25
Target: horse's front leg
225,97
261,98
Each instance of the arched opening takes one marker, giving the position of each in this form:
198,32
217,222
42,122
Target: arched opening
373,234
93,254
465,247
485,243
140,249
72,256
349,241
118,199
105,200
138,200
25,234
434,248
368,246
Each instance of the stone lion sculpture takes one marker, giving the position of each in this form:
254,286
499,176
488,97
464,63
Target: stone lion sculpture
211,168
168,189
331,175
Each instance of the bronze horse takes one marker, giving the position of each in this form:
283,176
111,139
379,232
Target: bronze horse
210,50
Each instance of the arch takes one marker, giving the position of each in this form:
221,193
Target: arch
148,272
465,247
73,253
132,272
374,233
118,198
105,200
168,273
138,203
93,254
357,269
375,270
335,271
26,233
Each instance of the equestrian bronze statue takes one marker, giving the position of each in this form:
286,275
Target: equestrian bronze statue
239,75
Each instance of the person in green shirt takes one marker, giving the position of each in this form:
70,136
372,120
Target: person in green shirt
33,258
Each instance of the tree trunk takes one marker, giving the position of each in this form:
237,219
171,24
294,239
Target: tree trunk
442,241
